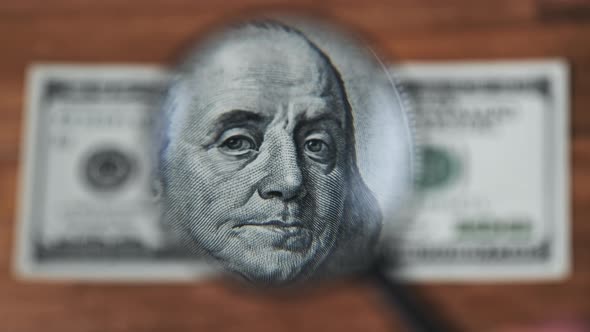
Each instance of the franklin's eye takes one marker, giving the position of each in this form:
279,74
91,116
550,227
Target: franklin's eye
237,144
315,145
317,149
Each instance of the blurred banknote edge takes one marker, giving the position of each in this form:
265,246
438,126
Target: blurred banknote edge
492,199
492,203
86,198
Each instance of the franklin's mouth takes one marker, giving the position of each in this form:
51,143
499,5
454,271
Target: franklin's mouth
272,223
281,234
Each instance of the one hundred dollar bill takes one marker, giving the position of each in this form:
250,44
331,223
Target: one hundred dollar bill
492,194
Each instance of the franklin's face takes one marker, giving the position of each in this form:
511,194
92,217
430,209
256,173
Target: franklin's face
255,169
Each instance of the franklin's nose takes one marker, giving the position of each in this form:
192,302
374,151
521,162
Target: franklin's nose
285,180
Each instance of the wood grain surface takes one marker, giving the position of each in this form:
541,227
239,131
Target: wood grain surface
155,31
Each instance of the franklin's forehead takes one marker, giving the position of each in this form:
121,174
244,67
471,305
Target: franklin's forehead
280,78
279,59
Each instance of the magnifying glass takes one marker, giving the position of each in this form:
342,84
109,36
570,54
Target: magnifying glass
287,153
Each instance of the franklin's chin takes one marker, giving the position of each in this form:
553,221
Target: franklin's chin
273,257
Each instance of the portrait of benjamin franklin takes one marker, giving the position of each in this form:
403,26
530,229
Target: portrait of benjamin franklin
258,161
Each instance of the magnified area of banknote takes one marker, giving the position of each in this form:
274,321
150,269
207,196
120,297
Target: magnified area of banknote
494,185
259,155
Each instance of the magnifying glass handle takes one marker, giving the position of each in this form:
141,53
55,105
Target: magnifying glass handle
417,315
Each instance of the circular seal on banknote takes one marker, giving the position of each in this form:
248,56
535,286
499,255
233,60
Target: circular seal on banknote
440,167
108,169
285,150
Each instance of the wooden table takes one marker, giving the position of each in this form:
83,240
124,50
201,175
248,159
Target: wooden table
154,31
